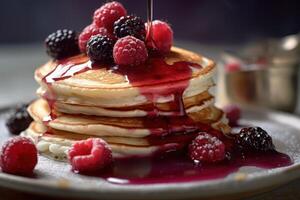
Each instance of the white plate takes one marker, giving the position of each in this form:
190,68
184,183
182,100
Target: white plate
55,178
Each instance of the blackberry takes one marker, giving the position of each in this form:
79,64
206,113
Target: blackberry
100,49
19,120
254,139
130,25
62,44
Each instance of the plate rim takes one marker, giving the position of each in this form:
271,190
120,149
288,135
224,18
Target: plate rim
205,189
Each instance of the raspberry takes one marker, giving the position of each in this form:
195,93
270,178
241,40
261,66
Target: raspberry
107,14
18,156
100,49
254,139
233,113
130,51
130,25
90,31
62,44
90,155
19,120
161,37
207,148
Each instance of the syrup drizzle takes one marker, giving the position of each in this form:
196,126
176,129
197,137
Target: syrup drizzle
149,18
156,80
149,35
65,69
68,70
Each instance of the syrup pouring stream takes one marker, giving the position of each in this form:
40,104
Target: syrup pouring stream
149,17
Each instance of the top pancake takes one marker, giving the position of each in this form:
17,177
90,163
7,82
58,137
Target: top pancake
103,87
104,78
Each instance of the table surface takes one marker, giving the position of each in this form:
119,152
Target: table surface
17,64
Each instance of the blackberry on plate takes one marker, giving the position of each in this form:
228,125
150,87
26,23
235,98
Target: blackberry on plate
19,120
254,139
130,25
62,44
100,49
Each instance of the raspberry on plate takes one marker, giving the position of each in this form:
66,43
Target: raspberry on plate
62,44
100,49
107,14
130,51
89,155
18,156
161,37
130,25
88,32
233,113
254,139
206,148
19,120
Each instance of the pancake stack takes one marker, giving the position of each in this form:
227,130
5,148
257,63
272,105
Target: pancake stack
139,111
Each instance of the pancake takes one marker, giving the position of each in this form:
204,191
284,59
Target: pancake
128,127
142,142
165,109
55,144
156,107
105,88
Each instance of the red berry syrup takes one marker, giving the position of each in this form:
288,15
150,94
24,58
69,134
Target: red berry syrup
177,168
156,79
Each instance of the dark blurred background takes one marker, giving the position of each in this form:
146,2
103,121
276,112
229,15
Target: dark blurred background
205,26
206,21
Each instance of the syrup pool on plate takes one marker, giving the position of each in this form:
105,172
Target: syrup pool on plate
177,167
